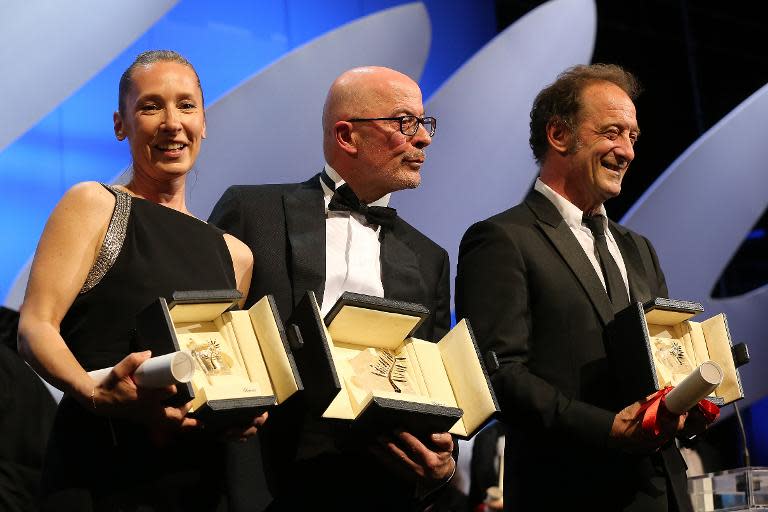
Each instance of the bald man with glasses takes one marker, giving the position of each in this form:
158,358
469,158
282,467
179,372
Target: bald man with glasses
336,233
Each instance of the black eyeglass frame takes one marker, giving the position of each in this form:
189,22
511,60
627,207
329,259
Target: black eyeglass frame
419,120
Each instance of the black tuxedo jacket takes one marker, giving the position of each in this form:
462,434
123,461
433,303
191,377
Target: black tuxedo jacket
309,462
284,225
534,298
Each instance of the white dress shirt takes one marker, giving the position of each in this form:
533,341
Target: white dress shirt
572,216
352,249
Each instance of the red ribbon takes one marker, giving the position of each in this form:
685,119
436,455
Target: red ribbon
709,410
654,409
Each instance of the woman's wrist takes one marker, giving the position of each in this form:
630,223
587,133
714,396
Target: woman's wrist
86,392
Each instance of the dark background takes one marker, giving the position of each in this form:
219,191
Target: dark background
697,60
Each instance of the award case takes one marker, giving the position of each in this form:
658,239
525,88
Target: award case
362,363
656,344
243,364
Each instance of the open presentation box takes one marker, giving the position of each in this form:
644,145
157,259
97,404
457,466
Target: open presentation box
243,365
655,345
361,363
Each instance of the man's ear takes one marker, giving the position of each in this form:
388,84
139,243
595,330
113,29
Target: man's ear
118,125
345,139
559,136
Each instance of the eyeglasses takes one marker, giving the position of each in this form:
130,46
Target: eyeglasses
409,125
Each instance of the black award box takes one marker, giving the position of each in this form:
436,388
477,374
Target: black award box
243,365
656,344
361,363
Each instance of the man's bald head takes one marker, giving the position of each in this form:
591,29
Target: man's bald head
370,153
358,92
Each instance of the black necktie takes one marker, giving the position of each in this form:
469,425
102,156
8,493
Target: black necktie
614,283
345,200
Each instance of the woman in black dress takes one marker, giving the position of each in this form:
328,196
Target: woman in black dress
107,252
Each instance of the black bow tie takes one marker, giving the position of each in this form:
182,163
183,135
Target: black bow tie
345,200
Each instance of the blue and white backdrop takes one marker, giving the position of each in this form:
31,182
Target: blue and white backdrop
265,68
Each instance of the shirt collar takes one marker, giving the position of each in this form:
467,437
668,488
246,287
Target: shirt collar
339,181
571,213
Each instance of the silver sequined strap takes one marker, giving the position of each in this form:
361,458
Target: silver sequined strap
113,240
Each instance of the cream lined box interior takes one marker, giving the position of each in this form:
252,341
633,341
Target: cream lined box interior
680,345
375,357
242,359
657,344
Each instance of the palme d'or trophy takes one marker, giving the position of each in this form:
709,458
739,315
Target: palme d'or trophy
362,363
241,359
381,370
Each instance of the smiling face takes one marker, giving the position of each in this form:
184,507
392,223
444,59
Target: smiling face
603,145
163,120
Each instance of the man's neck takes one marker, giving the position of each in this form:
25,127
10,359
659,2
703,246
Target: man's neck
360,188
571,193
561,188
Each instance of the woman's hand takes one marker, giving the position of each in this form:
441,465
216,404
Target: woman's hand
118,396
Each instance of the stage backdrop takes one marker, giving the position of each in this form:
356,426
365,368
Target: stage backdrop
265,68
61,65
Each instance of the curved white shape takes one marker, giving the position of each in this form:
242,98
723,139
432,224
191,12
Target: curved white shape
268,130
15,295
700,210
41,67
479,162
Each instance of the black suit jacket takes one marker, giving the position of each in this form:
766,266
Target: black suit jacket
533,297
310,462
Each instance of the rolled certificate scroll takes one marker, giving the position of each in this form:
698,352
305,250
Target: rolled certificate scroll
696,386
158,372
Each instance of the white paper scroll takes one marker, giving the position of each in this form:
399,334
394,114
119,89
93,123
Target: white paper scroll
696,386
158,372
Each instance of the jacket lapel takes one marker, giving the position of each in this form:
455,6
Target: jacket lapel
554,227
400,273
305,223
638,282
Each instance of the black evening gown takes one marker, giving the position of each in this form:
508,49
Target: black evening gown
96,463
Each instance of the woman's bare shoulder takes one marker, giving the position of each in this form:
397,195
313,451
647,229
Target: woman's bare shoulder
241,253
88,194
86,207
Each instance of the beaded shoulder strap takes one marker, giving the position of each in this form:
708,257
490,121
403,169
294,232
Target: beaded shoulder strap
113,240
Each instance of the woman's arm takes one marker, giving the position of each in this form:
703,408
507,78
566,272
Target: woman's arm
67,249
242,259
65,254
